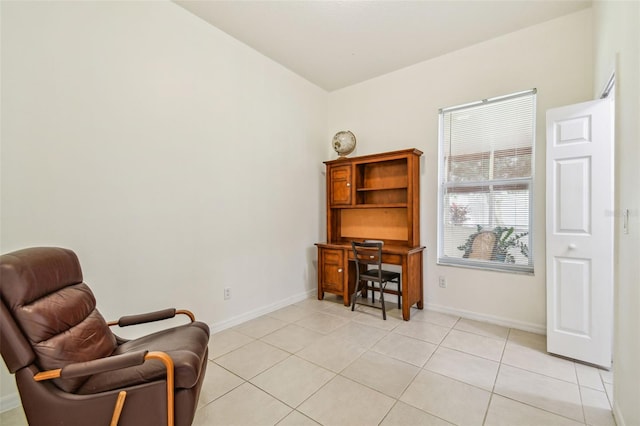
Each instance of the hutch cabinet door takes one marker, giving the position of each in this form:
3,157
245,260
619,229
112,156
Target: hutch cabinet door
340,185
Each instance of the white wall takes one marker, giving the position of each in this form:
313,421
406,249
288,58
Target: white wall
157,147
617,45
400,110
173,159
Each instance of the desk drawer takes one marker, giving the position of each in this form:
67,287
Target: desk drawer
391,259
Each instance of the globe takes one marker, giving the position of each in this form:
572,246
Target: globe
344,143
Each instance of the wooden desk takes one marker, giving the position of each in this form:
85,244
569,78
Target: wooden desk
334,277
373,197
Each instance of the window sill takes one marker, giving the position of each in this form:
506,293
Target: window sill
485,266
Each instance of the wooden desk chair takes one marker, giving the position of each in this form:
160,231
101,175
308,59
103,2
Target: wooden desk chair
368,258
483,247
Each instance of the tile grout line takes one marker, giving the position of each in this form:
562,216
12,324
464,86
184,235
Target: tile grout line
336,374
525,403
420,369
495,380
370,348
584,414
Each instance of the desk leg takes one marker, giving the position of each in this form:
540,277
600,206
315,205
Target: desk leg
349,283
406,292
412,284
320,290
320,275
420,278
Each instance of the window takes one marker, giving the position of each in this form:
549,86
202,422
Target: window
486,183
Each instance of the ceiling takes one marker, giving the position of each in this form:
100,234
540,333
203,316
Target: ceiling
335,44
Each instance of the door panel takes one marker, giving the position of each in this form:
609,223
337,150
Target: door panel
572,130
573,195
573,295
580,232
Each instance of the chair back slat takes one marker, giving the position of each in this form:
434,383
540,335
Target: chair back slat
368,253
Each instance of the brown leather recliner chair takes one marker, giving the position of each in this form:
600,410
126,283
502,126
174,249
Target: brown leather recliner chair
72,370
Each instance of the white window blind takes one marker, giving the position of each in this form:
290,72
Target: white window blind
486,183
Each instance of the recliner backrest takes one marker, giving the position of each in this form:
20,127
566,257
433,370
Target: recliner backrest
16,350
43,292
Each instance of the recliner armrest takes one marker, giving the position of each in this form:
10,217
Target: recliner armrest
117,362
151,317
95,366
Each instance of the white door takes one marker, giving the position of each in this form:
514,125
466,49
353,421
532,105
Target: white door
580,232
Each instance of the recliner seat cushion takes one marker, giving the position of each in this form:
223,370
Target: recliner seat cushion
186,345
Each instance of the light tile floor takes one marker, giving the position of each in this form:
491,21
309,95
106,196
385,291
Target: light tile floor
316,362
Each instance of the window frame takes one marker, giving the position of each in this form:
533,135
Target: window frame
441,259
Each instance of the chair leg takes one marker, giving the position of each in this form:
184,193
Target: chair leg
384,312
399,295
355,294
353,298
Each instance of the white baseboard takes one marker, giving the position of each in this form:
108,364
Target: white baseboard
9,402
228,323
505,322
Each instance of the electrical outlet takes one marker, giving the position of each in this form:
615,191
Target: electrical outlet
227,293
442,281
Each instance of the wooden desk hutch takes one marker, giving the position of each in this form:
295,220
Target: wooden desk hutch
373,197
